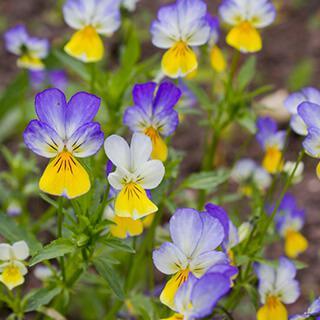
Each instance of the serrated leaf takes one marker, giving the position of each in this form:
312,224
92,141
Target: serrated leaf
110,275
206,180
12,232
55,249
40,297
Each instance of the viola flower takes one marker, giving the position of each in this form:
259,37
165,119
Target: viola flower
134,174
153,114
92,19
310,114
64,131
196,298
217,59
272,141
313,312
195,238
30,50
180,26
246,172
277,286
289,222
12,267
246,17
48,78
308,94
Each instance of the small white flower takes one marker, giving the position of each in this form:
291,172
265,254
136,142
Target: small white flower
298,175
12,268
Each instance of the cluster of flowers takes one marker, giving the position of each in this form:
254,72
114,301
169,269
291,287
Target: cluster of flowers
200,257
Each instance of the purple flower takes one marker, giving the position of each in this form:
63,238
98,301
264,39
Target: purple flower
64,131
153,114
195,237
313,311
289,222
29,49
292,103
196,298
48,78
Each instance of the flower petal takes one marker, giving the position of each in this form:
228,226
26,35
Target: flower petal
207,292
167,97
310,114
185,229
140,151
312,142
266,275
201,263
42,139
51,108
5,251
143,94
21,250
169,259
151,173
117,150
81,109
86,141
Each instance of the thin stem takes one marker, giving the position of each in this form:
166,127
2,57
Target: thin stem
93,77
59,234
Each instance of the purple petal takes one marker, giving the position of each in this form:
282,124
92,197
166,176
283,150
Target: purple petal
220,214
266,127
166,98
42,139
50,108
81,109
186,229
58,79
143,94
37,78
311,142
226,269
86,141
14,39
207,292
136,119
310,113
166,122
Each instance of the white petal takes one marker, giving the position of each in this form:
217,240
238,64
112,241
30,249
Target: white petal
21,250
201,263
266,275
116,178
117,150
21,267
152,173
290,293
140,150
5,251
169,259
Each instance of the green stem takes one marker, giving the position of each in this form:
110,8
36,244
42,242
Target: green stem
59,234
93,77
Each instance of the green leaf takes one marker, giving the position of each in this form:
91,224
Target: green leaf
206,180
117,244
40,297
301,75
110,275
247,119
55,249
12,232
246,73
130,53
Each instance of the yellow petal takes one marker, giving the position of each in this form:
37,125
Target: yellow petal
133,202
147,221
318,170
273,161
85,45
159,147
217,59
169,291
295,243
11,276
272,310
126,226
65,175
179,60
28,62
245,38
